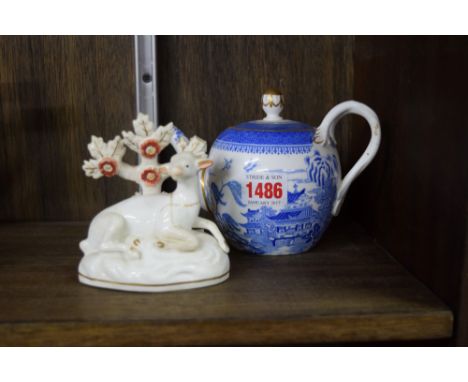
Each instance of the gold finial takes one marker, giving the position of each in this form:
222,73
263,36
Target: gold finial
272,98
272,91
272,102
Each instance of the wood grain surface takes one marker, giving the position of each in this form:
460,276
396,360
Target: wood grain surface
346,290
413,199
462,311
57,91
54,93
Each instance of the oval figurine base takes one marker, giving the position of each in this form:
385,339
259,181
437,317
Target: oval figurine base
156,269
152,288
153,241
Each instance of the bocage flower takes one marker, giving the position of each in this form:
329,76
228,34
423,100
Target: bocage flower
108,167
150,148
150,176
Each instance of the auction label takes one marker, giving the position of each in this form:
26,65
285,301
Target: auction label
266,190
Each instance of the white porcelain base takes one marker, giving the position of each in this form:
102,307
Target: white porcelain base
156,269
152,288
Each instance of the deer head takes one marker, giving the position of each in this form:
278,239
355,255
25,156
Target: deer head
190,158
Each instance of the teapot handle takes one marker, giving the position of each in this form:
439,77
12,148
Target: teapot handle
325,135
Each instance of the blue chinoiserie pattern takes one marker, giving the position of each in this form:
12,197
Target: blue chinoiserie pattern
273,182
292,229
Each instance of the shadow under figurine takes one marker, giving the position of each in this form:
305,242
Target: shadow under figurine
146,243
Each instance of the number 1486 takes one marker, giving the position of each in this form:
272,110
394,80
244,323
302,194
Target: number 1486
266,190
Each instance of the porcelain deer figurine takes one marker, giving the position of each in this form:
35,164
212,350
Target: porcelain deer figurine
165,219
152,241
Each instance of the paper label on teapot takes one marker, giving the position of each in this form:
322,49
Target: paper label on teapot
268,189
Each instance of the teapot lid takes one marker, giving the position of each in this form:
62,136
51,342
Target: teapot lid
270,135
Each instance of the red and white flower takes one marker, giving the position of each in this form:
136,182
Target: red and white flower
145,139
108,167
150,148
150,176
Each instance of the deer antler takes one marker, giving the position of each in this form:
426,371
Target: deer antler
196,146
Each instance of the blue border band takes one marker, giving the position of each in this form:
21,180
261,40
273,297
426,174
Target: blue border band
261,149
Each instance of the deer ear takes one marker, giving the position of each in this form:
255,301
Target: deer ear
205,163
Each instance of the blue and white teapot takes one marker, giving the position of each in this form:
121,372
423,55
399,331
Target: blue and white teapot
276,183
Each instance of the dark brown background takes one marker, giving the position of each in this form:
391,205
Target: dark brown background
57,91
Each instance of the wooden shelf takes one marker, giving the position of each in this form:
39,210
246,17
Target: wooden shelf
346,290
